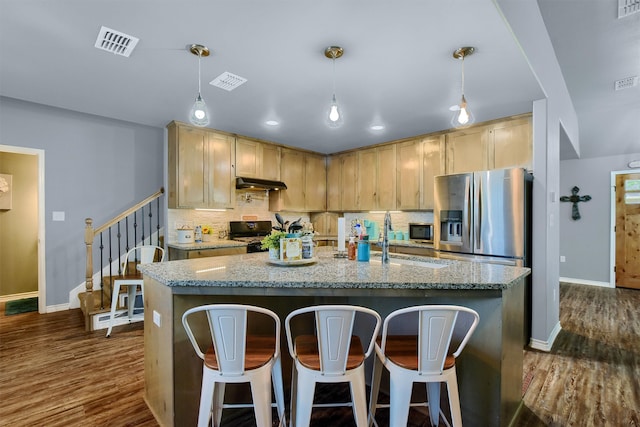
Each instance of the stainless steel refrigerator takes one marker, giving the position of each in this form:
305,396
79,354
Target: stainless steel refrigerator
484,216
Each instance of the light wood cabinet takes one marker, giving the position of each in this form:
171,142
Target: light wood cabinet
408,171
201,168
376,178
433,164
341,182
467,150
305,175
255,159
511,144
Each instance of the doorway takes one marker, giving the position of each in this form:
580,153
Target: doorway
625,229
38,221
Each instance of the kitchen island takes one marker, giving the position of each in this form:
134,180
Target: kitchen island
489,369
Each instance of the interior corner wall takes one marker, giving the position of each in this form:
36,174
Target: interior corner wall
19,226
94,167
585,243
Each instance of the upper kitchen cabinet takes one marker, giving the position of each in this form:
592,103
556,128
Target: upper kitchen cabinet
433,164
201,168
512,144
467,150
418,162
341,182
305,176
256,159
495,145
376,178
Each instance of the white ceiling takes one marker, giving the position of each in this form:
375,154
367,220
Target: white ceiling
397,69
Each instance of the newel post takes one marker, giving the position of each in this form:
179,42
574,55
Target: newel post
88,300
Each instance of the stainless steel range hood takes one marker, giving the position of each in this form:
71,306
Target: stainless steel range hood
259,184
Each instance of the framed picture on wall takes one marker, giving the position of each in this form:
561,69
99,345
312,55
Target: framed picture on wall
5,191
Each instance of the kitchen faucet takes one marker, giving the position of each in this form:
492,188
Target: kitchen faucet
385,237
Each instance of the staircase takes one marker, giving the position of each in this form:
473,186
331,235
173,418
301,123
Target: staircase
106,245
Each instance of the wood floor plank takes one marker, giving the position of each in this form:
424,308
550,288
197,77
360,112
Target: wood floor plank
54,373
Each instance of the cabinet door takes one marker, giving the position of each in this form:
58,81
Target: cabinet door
270,165
386,177
292,173
512,144
348,181
432,166
367,179
408,165
192,186
334,183
467,150
221,175
247,158
315,193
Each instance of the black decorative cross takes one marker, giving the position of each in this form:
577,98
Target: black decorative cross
575,199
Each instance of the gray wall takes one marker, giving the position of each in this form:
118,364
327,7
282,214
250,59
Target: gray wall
586,243
94,167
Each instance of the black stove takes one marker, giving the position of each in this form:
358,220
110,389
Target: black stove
251,232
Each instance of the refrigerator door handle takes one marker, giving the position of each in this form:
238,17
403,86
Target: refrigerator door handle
467,212
477,220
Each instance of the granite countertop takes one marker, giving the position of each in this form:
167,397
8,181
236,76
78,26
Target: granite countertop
213,244
403,272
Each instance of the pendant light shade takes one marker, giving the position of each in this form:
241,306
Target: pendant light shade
199,115
462,116
334,114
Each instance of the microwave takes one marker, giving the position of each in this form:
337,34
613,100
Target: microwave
421,232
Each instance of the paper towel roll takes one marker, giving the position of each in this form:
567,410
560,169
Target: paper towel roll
341,234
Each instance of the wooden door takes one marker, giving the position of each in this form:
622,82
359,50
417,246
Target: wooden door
348,180
467,150
409,155
367,179
386,178
221,175
270,165
511,144
247,158
433,164
315,183
334,183
628,230
192,172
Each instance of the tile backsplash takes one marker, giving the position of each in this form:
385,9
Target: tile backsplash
256,204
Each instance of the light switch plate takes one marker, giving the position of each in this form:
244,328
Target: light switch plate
156,318
57,216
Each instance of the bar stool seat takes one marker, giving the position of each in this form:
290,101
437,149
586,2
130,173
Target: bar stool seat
425,357
237,356
335,354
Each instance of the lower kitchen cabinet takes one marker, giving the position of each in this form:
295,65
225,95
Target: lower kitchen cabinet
178,254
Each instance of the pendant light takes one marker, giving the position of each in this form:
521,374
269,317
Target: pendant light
199,115
462,116
334,116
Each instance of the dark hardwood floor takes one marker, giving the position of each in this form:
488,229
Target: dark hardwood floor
53,373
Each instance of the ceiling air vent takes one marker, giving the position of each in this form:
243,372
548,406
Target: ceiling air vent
116,42
628,7
626,83
227,81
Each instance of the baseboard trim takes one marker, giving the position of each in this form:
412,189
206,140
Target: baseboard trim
23,295
586,282
58,307
546,345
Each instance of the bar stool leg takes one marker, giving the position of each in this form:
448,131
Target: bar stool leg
400,397
359,398
433,396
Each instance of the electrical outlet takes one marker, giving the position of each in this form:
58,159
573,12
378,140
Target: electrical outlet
156,318
562,258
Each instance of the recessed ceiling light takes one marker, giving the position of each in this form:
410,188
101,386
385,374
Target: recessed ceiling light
272,123
377,127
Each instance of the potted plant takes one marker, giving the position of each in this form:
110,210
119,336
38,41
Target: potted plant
272,242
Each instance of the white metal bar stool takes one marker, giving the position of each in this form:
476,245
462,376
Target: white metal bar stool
332,355
235,356
424,358
132,280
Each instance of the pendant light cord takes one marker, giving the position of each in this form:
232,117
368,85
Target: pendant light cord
462,88
199,58
334,74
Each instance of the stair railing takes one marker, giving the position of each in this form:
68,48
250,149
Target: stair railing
126,227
